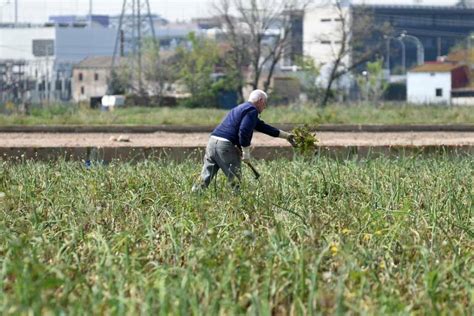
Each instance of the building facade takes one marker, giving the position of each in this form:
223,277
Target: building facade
90,78
322,33
438,28
48,53
433,83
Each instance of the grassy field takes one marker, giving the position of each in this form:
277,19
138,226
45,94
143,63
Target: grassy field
379,236
357,114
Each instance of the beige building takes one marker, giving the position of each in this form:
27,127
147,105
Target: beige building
90,78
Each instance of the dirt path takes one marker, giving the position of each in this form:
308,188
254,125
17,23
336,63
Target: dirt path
162,139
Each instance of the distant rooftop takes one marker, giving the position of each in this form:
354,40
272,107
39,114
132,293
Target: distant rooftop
98,62
436,67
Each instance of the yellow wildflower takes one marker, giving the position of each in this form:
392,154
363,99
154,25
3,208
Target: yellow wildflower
334,249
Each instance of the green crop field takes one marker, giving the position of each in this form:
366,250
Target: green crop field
296,114
378,236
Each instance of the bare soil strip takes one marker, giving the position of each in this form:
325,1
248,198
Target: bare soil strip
163,139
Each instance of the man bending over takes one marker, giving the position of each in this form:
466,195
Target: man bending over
229,143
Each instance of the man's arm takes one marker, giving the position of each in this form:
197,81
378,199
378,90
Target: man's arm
262,127
272,131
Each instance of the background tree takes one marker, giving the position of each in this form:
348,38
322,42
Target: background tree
247,26
195,68
372,83
119,81
308,74
158,71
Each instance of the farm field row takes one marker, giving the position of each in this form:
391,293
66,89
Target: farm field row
295,114
377,236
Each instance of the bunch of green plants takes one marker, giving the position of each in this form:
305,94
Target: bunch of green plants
378,236
304,141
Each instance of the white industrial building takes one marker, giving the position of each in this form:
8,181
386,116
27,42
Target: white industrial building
49,52
433,83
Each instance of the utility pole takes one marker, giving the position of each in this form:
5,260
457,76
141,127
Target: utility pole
90,13
130,35
402,44
16,12
420,50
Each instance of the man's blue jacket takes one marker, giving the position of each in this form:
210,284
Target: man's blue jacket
239,123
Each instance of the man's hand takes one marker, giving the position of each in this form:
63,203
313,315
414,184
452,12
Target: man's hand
291,140
246,154
289,137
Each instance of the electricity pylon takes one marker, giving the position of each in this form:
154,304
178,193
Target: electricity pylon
134,21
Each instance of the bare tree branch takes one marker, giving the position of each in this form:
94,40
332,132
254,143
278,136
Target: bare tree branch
249,33
353,30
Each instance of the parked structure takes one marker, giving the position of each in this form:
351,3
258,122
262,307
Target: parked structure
433,83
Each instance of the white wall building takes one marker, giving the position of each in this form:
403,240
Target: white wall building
433,83
50,51
322,39
322,32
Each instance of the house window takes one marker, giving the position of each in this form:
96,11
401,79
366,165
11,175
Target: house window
439,92
325,20
82,89
96,76
80,76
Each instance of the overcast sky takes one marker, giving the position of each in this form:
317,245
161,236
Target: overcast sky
39,10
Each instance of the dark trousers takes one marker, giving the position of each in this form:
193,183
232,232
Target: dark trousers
221,155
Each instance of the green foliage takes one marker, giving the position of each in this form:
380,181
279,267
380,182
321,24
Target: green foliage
118,84
305,141
195,68
373,237
158,69
372,84
308,75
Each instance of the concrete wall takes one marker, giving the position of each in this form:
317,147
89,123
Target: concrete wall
463,101
16,43
421,87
